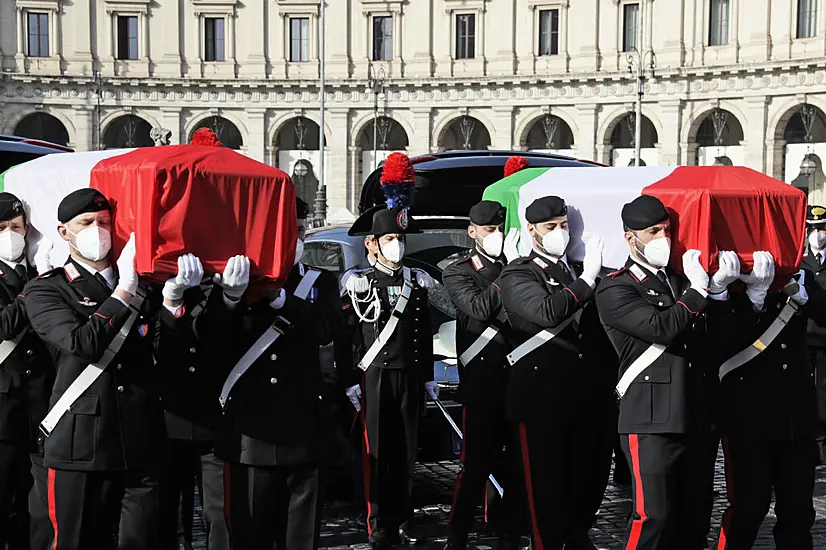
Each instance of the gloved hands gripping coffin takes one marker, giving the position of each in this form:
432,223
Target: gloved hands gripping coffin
208,201
712,209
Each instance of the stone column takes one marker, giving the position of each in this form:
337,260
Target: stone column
356,178
775,161
171,118
85,128
669,139
420,140
585,143
257,133
755,144
502,133
335,165
251,45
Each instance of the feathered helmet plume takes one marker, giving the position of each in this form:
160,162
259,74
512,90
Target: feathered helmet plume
397,179
515,164
205,137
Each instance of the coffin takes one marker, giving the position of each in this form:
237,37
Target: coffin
209,201
713,208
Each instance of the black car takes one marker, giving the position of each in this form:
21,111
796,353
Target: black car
16,150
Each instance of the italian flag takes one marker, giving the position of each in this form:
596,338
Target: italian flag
712,208
42,183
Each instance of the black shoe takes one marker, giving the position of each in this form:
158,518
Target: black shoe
407,538
380,540
580,542
456,541
509,542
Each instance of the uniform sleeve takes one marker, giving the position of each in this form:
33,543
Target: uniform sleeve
815,308
13,319
427,344
322,317
621,307
523,295
344,343
482,305
57,323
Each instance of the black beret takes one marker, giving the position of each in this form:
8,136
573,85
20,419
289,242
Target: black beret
302,209
643,212
80,202
545,208
487,213
10,207
816,215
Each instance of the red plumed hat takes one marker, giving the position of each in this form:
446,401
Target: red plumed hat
515,164
397,177
205,137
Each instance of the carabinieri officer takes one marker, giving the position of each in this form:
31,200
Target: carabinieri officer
481,346
105,423
388,309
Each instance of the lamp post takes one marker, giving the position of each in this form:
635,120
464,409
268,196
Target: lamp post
639,62
375,83
320,210
98,94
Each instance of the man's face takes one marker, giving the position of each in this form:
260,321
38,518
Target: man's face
821,230
540,229
372,243
70,229
479,232
302,229
18,225
645,236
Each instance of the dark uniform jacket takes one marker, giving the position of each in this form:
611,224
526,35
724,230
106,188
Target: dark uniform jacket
117,424
817,334
547,383
275,414
27,375
772,397
409,348
637,310
191,357
470,284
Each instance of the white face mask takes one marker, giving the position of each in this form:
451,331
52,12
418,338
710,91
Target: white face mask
93,243
492,244
817,240
11,245
556,242
299,251
657,252
393,251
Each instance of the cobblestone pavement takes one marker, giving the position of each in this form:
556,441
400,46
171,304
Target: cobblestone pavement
342,527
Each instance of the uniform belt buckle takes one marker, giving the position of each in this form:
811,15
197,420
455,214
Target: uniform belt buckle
45,431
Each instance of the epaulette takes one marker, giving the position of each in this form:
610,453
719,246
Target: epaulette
478,265
617,272
49,273
523,260
638,273
540,262
71,272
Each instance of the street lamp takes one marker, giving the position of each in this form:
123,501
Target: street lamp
320,210
300,169
98,94
639,63
375,84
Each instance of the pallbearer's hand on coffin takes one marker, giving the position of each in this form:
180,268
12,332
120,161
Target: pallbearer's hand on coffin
236,277
728,272
592,263
760,279
801,296
511,247
127,276
41,258
694,271
190,274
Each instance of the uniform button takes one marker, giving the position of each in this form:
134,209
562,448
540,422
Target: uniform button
785,367
581,356
685,346
581,336
273,380
741,379
660,304
689,365
385,353
191,369
28,373
119,366
385,363
782,346
192,350
415,340
29,352
273,357
120,389
481,359
536,368
647,377
320,398
778,306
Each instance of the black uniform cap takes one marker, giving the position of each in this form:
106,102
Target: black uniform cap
80,202
643,212
816,215
10,207
382,222
302,209
545,208
487,213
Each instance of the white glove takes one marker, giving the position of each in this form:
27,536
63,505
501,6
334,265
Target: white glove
357,284
727,273
802,296
694,271
236,277
424,279
511,246
592,264
127,276
41,258
190,273
432,389
760,278
354,395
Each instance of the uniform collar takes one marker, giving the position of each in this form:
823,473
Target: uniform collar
108,273
648,267
480,252
389,271
553,259
13,265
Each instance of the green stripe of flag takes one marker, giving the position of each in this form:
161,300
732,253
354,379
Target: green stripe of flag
506,193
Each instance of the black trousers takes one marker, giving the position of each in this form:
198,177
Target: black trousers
393,404
15,484
103,510
190,463
488,443
817,360
40,526
673,490
274,506
753,469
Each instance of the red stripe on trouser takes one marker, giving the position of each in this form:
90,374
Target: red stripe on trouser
722,540
52,507
462,470
639,494
365,464
526,465
228,499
